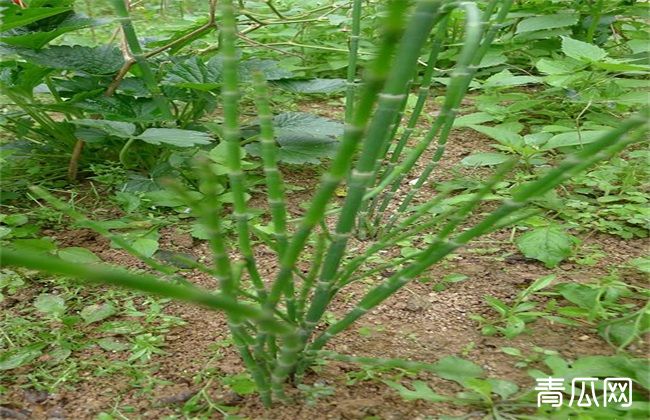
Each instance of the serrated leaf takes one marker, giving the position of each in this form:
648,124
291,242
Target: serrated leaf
484,159
313,85
303,138
549,245
174,137
573,138
145,246
547,22
78,255
50,304
91,60
195,74
114,128
581,50
97,312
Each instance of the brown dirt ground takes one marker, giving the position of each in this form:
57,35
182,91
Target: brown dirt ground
415,324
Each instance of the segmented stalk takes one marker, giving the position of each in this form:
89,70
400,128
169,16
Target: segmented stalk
423,94
603,148
458,84
341,162
352,60
392,96
480,53
353,133
231,137
274,184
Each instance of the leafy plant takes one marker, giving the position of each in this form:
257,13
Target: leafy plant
274,322
512,319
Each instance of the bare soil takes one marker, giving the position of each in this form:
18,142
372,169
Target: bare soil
415,324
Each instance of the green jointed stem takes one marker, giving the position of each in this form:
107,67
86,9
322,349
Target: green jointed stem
230,95
308,281
424,176
274,184
601,149
455,92
415,36
342,160
231,136
104,274
140,58
353,133
352,60
423,94
82,220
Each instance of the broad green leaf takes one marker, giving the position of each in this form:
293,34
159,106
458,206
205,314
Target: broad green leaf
13,16
15,358
312,85
97,312
557,66
35,245
303,138
547,22
503,388
420,391
581,50
15,220
502,135
497,305
21,77
573,138
457,369
78,255
617,66
582,295
174,137
493,58
484,159
50,304
146,246
549,245
91,60
166,198
240,383
505,79
195,74
39,38
540,284
642,264
114,128
473,119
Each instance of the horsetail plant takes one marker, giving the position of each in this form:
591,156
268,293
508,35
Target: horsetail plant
277,322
